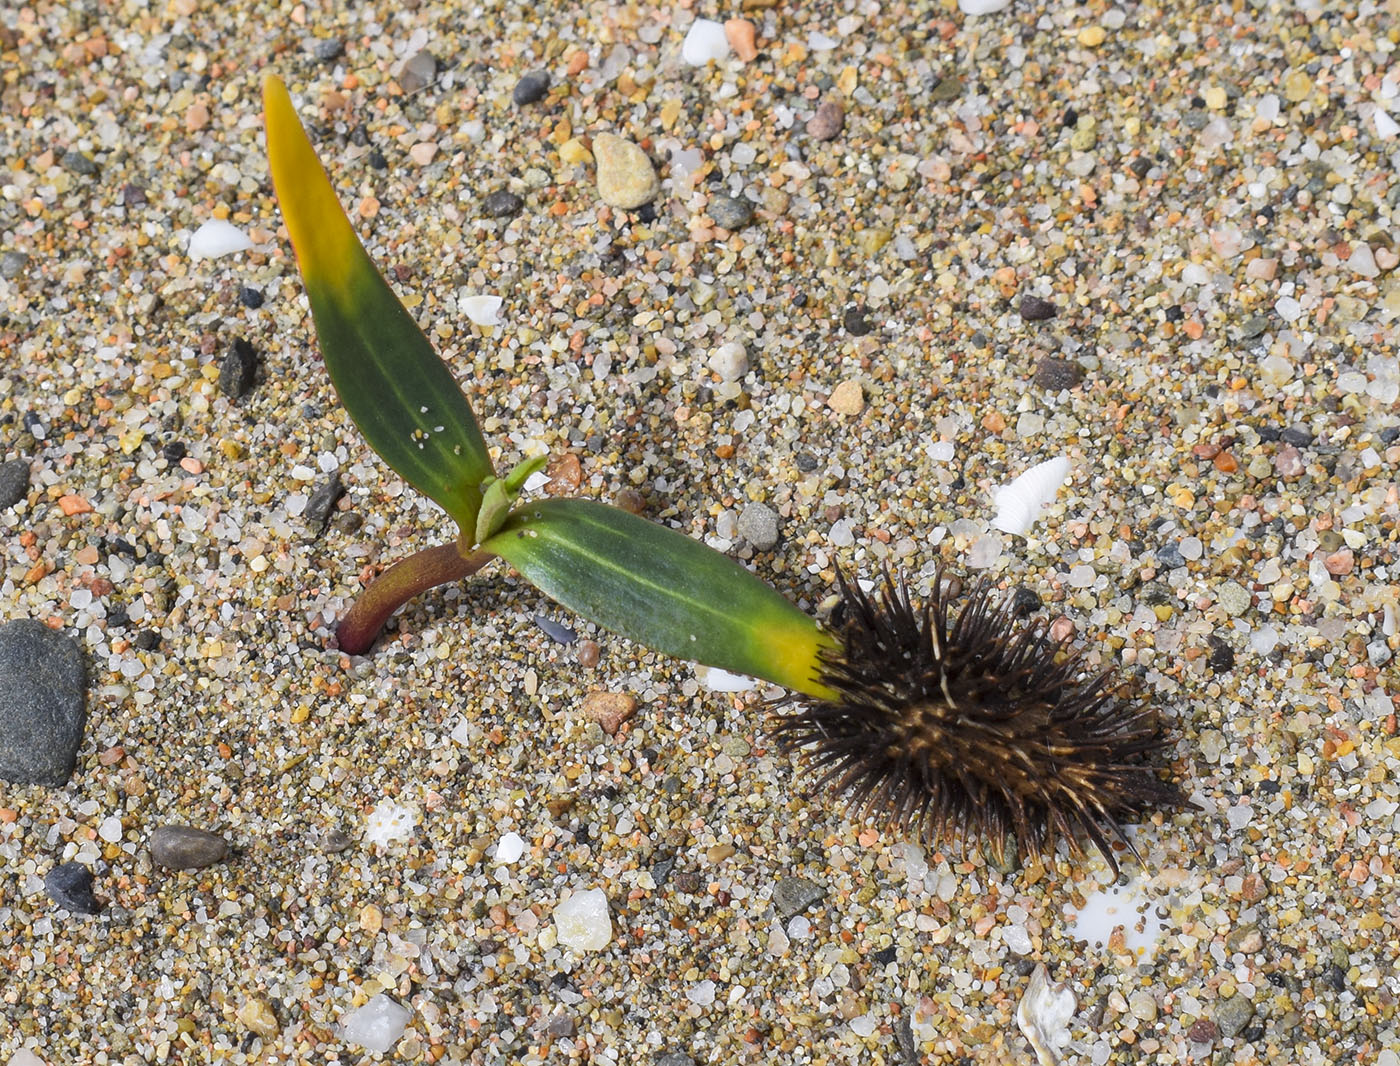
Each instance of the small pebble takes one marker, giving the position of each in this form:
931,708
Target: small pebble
377,1025
1054,374
323,500
502,204
418,72
758,524
1233,1014
847,398
830,117
731,212
12,265
43,703
14,482
555,631
741,34
531,88
69,885
793,895
1036,309
730,361
182,847
78,163
239,369
626,178
250,297
327,51
609,709
705,41
583,922
257,1016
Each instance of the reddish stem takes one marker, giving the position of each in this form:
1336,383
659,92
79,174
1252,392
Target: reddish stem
404,580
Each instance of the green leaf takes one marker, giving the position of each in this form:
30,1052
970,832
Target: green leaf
393,385
498,494
662,589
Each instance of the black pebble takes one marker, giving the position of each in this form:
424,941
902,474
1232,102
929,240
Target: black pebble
530,88
857,325
502,204
326,51
1025,601
147,640
1054,374
1297,436
251,297
173,450
806,463
1140,166
1035,309
133,195
74,160
323,500
70,887
646,214
117,618
14,482
238,370
1222,656
884,956
377,160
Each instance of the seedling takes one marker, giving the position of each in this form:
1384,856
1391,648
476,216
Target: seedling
935,726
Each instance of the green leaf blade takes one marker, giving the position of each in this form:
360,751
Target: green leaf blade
662,589
396,390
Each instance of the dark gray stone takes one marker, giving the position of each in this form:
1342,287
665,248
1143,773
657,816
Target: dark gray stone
793,895
14,482
731,212
675,1058
502,204
758,524
1036,309
75,162
70,887
1054,374
327,51
239,370
531,88
555,631
43,704
182,847
12,264
334,841
418,73
323,500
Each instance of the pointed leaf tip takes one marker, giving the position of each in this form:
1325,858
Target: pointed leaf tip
385,371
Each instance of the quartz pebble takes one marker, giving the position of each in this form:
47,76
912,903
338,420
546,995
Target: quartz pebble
626,178
705,42
758,524
217,238
730,361
583,922
376,1026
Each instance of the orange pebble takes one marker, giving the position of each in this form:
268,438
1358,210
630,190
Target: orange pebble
71,505
740,34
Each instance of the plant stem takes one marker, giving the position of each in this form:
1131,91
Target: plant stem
407,578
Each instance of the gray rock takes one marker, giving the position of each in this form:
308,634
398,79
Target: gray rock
758,524
43,704
1233,1014
793,895
77,163
419,72
239,370
731,212
182,847
14,482
531,88
327,51
323,500
334,841
502,204
69,885
675,1058
12,264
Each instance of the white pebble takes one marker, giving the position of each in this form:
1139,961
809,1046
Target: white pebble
302,472
704,42
982,7
985,550
941,451
1019,503
482,310
1289,309
1017,939
1267,107
1386,127
702,994
583,922
377,1025
865,1025
510,848
217,237
388,822
730,361
296,504
799,928
25,1057
111,829
1190,547
841,535
1044,1014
